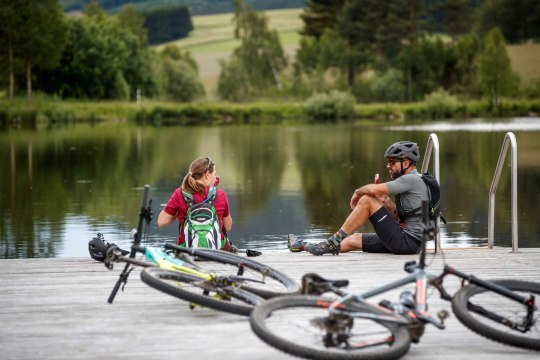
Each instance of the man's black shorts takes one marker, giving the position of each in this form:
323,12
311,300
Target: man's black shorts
389,236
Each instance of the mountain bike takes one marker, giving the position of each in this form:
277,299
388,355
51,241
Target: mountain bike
321,327
205,277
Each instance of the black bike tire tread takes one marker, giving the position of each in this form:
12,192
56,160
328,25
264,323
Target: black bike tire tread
151,277
291,287
261,312
459,306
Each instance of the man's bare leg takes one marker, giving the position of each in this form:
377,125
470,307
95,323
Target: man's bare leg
351,243
367,205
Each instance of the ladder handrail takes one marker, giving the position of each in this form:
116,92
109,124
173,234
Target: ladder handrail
509,140
433,145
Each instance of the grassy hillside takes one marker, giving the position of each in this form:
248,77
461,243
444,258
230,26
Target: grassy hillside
525,60
213,39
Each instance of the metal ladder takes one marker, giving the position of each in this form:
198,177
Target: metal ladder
433,146
509,141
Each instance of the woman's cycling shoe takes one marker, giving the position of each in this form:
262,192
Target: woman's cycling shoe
294,244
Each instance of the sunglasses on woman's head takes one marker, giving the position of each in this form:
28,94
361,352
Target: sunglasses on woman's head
210,163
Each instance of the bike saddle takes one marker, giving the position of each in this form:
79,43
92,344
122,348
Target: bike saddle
314,284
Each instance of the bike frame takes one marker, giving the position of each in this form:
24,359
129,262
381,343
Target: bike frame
167,262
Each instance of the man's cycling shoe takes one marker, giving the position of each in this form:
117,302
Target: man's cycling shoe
294,244
325,247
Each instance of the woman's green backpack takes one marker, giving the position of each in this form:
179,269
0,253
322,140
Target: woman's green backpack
201,223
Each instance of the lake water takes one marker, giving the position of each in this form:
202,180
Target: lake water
61,186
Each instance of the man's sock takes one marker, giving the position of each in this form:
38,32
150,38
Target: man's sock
338,237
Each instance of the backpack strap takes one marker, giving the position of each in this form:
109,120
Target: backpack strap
212,192
188,197
210,197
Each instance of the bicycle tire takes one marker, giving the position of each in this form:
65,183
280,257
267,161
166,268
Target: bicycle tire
274,282
292,324
191,288
501,306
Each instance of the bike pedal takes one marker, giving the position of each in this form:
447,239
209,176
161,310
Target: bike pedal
443,314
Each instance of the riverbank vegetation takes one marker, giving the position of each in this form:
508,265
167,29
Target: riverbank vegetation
47,112
354,59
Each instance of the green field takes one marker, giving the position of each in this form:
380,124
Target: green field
215,33
525,60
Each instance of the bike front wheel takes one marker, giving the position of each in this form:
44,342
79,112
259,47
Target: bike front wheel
302,326
483,311
199,291
252,276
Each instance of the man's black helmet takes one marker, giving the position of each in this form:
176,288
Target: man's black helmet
403,150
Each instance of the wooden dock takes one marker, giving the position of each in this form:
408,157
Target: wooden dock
57,309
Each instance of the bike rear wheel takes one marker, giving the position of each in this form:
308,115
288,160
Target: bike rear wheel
255,277
467,297
300,325
200,291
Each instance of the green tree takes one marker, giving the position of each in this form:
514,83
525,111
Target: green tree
320,16
428,65
130,19
328,58
99,51
37,38
173,52
260,54
10,27
94,9
518,20
233,83
496,77
181,75
467,50
388,86
167,24
459,18
372,32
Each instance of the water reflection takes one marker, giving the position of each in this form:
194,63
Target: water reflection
62,186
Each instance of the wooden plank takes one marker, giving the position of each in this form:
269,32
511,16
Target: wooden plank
57,309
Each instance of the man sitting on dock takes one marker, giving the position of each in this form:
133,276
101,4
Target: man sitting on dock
398,226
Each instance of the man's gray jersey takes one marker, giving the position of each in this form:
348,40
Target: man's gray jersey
413,191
